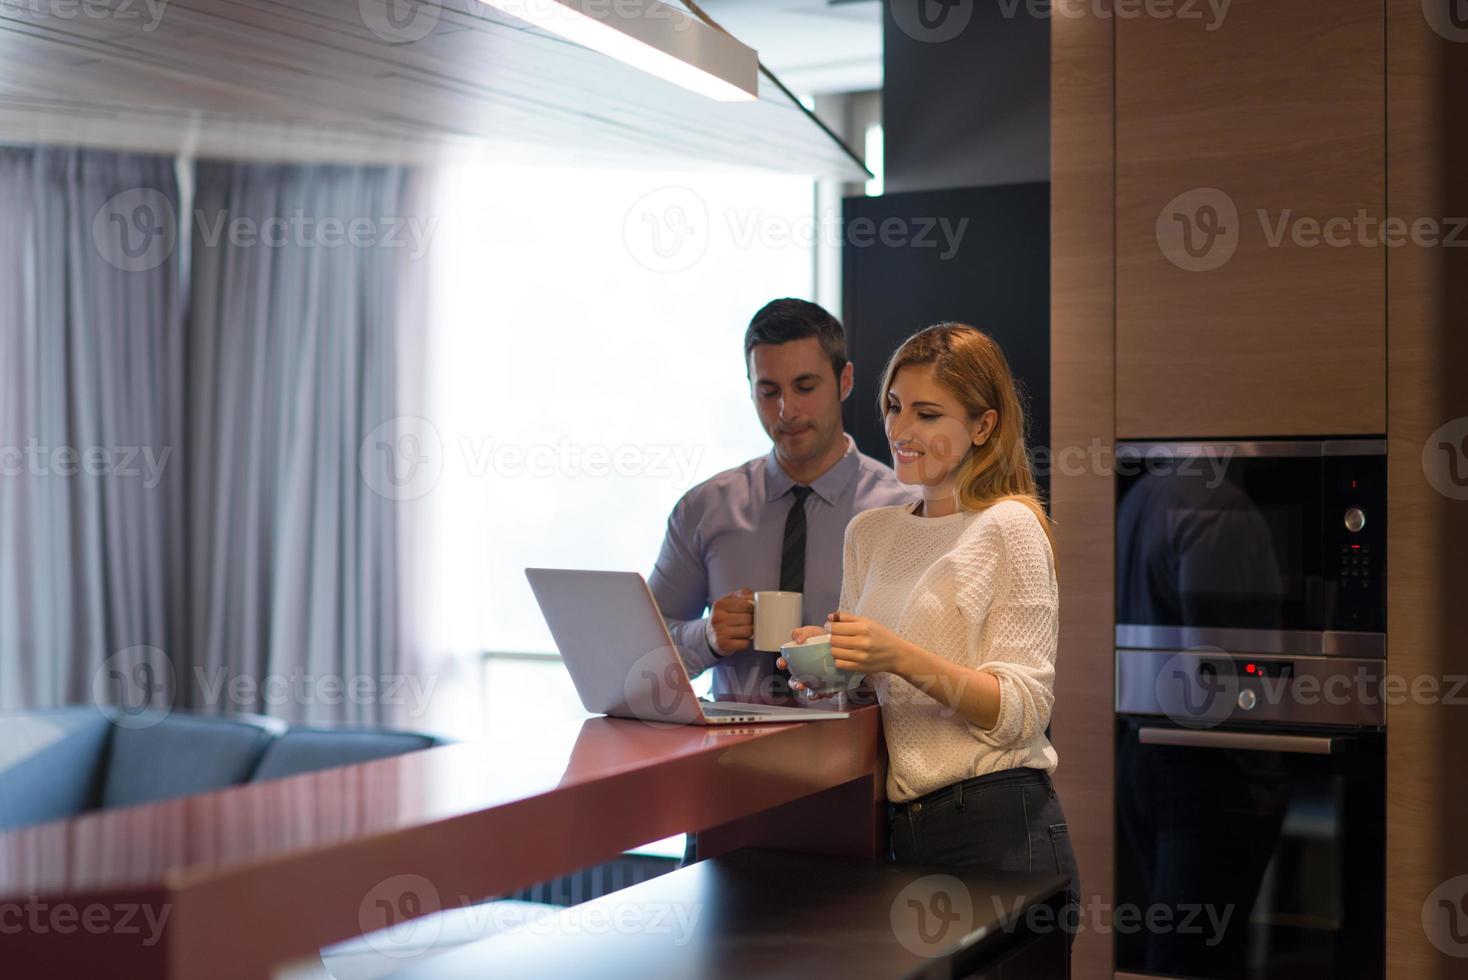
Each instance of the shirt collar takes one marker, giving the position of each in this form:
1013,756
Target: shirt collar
828,486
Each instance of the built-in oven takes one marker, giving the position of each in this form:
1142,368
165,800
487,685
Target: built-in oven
1250,738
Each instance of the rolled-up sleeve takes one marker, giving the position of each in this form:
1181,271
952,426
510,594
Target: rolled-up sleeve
1008,594
679,584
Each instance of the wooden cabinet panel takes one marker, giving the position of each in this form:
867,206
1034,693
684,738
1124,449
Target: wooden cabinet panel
1427,520
1081,399
1279,109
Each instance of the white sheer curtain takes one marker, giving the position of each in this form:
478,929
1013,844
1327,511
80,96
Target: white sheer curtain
91,431
202,482
306,350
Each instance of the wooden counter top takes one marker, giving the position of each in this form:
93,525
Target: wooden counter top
229,884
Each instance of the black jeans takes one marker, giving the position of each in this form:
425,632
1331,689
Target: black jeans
1004,821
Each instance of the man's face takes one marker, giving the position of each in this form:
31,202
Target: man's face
798,397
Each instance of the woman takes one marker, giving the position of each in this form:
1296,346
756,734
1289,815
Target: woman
950,605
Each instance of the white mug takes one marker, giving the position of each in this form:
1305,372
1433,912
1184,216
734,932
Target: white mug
776,616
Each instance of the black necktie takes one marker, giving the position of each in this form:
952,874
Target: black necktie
792,557
792,551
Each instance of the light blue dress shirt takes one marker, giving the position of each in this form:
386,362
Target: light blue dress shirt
726,533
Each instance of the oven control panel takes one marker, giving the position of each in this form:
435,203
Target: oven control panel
1202,688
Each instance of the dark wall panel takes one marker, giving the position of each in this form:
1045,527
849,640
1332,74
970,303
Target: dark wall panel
966,96
991,269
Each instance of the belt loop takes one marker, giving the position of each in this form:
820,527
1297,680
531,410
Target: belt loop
958,791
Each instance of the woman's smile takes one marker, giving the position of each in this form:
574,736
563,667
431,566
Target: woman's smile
906,454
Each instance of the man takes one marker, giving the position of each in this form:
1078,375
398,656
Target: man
776,522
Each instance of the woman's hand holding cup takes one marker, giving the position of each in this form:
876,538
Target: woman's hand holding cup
799,635
802,633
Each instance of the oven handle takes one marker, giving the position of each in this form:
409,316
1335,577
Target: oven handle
1256,741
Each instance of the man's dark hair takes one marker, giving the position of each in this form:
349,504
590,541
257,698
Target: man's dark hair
782,320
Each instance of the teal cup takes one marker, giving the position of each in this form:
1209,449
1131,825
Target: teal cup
811,663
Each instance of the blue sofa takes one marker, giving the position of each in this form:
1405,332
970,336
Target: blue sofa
59,762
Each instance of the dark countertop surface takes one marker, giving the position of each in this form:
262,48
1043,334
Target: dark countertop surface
764,913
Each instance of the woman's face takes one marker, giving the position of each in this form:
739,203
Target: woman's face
928,429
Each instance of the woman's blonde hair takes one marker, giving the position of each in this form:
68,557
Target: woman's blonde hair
969,365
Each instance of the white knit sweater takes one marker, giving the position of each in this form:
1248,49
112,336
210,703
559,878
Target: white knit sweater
979,589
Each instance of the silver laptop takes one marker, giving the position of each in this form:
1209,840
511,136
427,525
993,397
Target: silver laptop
619,654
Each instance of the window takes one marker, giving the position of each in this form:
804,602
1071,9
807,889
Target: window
872,152
586,370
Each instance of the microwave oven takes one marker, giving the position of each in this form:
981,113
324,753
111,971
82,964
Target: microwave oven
1264,546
